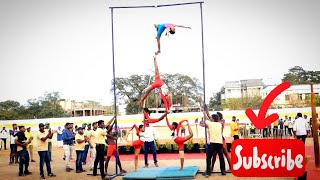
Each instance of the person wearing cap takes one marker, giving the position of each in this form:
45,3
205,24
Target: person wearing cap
22,143
68,136
81,139
100,135
47,128
42,139
30,136
86,147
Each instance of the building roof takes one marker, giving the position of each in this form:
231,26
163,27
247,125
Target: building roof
304,89
251,83
232,84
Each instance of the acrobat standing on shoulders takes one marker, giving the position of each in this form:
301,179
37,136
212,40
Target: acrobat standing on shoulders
160,28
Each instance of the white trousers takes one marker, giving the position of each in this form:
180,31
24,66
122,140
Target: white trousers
93,153
68,152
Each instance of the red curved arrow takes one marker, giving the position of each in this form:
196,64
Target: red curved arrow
261,121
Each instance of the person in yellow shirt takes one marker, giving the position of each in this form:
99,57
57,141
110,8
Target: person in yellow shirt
86,147
30,137
79,147
42,139
234,128
92,143
100,135
183,131
275,128
47,128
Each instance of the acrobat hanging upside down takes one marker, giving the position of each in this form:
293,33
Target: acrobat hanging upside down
158,83
171,28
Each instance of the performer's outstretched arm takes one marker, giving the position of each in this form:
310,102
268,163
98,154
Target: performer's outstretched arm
164,115
134,126
155,120
113,118
168,124
182,26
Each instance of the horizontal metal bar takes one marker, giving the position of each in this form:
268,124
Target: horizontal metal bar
155,6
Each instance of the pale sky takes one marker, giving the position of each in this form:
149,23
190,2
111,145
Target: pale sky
65,45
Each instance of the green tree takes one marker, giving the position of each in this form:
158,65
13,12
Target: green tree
242,103
184,90
297,75
215,102
131,89
318,100
50,107
10,110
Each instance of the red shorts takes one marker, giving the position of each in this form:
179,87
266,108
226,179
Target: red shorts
112,149
180,142
157,83
137,144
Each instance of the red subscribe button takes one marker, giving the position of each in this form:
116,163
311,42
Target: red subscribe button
268,158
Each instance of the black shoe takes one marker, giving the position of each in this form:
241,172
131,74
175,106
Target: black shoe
51,175
42,177
78,171
21,174
206,174
223,173
64,159
27,173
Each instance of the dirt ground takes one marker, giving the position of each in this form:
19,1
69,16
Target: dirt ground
58,167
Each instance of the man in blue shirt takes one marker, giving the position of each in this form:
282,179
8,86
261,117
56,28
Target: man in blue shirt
67,137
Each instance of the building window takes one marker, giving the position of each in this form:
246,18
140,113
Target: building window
299,96
229,90
287,97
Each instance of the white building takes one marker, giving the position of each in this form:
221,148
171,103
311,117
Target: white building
295,94
242,88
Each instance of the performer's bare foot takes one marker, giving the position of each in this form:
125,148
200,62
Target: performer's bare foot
180,169
157,52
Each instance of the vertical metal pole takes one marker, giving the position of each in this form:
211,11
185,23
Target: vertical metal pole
315,127
114,88
203,79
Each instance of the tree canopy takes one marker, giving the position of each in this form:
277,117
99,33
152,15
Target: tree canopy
297,75
46,106
184,90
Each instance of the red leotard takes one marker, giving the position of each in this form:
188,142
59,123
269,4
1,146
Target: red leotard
179,140
157,84
137,144
146,116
